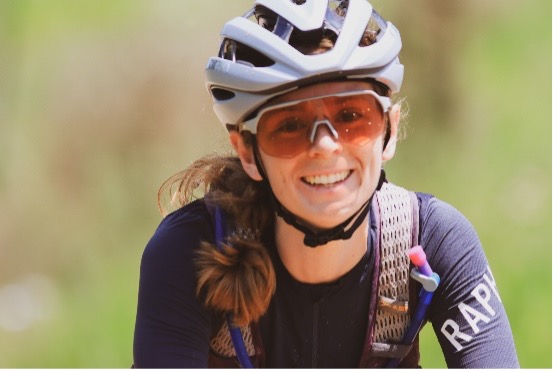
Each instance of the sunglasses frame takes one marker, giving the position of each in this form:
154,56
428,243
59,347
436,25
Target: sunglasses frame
251,124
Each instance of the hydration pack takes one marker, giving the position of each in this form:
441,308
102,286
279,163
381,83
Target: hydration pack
392,302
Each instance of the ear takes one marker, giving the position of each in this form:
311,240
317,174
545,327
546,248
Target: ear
390,149
246,156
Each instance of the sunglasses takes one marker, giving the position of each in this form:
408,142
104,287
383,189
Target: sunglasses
287,129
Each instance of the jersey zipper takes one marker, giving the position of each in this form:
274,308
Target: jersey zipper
315,353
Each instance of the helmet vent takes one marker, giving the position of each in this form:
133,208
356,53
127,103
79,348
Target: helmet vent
373,33
239,52
339,7
222,94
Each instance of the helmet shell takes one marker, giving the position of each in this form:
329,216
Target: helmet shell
239,87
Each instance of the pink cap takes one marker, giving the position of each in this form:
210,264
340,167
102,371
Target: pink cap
417,256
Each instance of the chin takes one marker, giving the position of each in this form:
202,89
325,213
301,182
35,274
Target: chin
329,217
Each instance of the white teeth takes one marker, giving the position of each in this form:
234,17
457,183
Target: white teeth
327,179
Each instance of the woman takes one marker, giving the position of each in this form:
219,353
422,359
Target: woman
299,239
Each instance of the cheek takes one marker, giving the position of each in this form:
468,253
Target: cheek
277,171
371,160
372,155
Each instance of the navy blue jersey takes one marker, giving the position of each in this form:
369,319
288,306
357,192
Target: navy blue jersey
320,325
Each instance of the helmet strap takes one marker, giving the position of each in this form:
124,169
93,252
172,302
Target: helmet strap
314,239
387,134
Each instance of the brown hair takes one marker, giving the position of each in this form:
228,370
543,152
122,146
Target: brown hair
241,279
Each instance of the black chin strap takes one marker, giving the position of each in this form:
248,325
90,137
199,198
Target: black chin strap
314,239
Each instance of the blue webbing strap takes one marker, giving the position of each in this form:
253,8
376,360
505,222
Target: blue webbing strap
235,332
239,344
425,298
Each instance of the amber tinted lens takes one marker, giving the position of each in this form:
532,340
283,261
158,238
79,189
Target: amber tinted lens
357,119
284,131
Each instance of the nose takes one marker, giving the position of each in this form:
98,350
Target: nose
324,139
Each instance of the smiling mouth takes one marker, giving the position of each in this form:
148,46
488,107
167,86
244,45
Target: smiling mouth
326,180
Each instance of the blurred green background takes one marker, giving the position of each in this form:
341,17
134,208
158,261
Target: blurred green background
101,101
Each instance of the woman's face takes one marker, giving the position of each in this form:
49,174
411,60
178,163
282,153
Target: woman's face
331,178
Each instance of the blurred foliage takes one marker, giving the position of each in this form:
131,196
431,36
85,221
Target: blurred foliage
101,101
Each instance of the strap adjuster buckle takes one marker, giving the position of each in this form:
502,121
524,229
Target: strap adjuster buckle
430,283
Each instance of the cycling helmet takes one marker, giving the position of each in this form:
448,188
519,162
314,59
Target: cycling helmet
256,61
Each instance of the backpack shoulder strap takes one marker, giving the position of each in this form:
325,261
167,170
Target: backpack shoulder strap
222,352
398,230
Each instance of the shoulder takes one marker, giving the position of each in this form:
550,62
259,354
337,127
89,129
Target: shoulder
178,236
443,227
440,217
193,215
450,241
466,310
452,246
172,327
436,217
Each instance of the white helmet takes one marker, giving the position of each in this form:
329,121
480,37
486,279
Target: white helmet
256,61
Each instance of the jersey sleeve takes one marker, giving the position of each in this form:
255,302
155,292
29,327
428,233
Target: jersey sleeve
172,328
467,313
